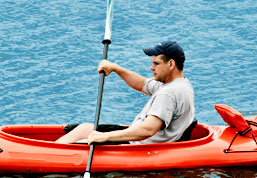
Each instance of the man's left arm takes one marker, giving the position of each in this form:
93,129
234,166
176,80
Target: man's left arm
141,131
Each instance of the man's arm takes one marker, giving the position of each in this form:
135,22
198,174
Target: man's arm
148,128
133,79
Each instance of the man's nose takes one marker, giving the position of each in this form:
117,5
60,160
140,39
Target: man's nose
152,67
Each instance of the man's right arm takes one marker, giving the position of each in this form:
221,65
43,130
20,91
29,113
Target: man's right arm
133,79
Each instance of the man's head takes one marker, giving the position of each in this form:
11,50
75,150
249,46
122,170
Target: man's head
171,50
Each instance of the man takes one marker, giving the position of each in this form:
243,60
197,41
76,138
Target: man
167,114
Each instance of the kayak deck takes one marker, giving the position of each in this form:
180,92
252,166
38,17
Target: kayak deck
37,132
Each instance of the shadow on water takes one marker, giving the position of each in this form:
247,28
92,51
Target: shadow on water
228,172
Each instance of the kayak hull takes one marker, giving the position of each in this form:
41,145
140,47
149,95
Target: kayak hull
31,149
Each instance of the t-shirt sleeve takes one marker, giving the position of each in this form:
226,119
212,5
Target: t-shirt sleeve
151,86
163,107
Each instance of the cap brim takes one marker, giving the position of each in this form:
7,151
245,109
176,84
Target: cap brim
151,52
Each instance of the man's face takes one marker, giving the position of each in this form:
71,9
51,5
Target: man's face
161,69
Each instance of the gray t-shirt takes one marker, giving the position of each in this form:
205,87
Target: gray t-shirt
173,103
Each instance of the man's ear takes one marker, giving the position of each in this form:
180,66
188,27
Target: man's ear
172,63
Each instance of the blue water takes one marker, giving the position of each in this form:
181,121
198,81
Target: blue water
49,52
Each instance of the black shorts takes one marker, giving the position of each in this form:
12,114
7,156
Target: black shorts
102,128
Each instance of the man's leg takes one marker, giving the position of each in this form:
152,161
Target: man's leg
80,132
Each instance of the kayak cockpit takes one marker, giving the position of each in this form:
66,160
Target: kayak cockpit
53,132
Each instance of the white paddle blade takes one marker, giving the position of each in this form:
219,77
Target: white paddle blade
109,17
87,175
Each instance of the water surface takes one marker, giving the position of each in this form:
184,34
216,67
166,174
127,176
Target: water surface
49,52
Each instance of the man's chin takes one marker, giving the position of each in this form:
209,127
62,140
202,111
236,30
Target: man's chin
157,79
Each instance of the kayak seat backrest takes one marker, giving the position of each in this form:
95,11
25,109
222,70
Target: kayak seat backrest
235,119
188,132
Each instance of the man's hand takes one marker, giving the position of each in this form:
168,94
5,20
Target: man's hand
96,136
106,66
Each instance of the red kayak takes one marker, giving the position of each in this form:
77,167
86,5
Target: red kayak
30,149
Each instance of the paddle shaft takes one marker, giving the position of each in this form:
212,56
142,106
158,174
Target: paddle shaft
106,42
98,108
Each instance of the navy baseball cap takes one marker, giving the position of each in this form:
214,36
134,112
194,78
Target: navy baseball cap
170,49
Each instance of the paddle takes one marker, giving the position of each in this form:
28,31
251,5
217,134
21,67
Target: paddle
106,42
248,112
